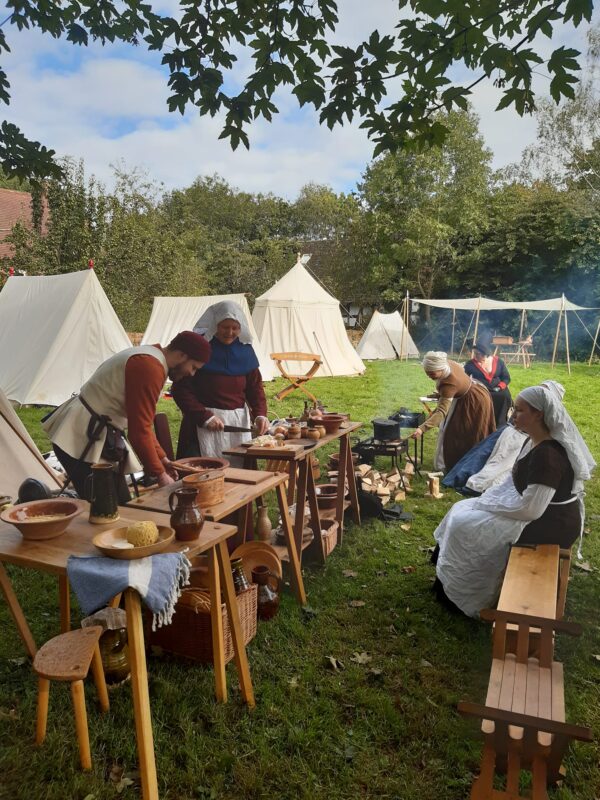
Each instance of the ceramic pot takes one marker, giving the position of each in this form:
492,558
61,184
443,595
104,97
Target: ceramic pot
269,588
263,525
240,581
187,518
114,652
294,431
101,491
313,433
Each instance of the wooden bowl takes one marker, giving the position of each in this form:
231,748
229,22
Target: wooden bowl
105,542
327,494
331,422
23,517
188,466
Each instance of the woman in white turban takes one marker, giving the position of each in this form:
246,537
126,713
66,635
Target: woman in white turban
229,393
541,502
464,414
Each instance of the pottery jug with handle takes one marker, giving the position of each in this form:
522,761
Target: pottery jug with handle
187,518
269,588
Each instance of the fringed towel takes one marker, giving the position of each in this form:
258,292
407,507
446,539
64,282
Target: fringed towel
158,579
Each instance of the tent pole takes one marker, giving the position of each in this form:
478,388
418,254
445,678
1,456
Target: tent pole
594,345
453,326
477,319
567,344
557,334
462,347
406,324
401,355
522,325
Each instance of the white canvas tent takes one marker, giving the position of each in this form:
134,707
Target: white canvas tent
297,315
386,337
55,330
170,315
19,456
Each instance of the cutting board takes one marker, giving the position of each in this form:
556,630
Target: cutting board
274,452
249,476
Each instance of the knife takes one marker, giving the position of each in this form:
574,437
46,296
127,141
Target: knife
236,429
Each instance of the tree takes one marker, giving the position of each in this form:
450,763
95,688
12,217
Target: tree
426,209
286,42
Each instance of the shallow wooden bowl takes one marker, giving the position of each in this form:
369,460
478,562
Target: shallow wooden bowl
23,517
105,542
188,466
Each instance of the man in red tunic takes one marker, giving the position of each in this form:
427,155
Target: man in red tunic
122,394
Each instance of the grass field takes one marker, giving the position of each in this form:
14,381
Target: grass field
385,729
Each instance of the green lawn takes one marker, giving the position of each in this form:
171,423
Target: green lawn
318,733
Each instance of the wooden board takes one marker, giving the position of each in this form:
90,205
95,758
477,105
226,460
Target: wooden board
273,452
530,583
250,476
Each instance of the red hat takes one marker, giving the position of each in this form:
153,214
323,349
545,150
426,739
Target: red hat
194,345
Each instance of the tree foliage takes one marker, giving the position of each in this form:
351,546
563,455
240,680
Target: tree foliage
394,81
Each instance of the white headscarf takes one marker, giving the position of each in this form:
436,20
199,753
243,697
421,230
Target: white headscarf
562,429
435,361
226,309
555,387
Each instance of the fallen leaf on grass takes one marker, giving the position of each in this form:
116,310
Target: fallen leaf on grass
334,663
293,682
425,663
408,570
405,526
375,674
8,713
596,656
584,566
361,658
393,630
18,662
410,634
357,603
349,573
90,797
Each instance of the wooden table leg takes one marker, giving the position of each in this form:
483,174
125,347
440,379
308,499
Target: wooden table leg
292,468
341,482
239,648
64,597
352,483
300,504
17,612
216,621
290,541
317,546
141,698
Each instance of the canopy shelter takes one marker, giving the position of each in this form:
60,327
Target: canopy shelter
386,337
19,456
560,305
170,315
298,315
55,331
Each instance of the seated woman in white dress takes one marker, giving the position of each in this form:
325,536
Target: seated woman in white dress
540,502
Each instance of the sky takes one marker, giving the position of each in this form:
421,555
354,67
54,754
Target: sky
107,105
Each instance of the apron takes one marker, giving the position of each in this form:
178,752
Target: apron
213,443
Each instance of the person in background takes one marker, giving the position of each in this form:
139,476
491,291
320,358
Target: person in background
122,395
540,502
464,414
491,371
228,391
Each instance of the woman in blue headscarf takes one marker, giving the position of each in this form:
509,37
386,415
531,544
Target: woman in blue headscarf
230,390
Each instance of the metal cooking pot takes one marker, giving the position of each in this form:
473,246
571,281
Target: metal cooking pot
385,429
409,419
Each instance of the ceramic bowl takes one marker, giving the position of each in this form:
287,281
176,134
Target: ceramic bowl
187,466
331,422
327,495
34,520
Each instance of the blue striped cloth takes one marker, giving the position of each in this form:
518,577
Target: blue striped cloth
158,579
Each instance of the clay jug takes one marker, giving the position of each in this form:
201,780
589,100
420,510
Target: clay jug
263,525
187,518
114,652
101,491
269,587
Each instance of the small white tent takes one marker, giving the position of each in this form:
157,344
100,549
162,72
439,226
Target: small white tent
386,337
297,315
170,315
19,456
55,330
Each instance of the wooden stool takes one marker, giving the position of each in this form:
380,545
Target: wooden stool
68,658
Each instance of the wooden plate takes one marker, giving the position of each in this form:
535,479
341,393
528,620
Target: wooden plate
105,542
255,554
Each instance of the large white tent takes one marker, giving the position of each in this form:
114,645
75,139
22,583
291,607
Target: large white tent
19,456
298,315
386,337
170,315
55,330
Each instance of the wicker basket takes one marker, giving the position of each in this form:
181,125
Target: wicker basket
209,486
190,633
329,535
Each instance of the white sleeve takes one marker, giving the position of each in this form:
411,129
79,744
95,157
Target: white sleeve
526,507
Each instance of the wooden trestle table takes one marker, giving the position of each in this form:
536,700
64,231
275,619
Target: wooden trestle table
51,556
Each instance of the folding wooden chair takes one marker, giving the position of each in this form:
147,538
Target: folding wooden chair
296,381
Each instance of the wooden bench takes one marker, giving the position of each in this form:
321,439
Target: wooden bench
524,716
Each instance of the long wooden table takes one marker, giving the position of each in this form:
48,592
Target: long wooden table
306,489
239,497
51,556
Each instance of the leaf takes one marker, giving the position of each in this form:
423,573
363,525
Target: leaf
357,603
596,656
90,797
334,663
361,658
18,662
375,674
123,784
349,573
408,570
425,663
293,682
405,527
584,566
